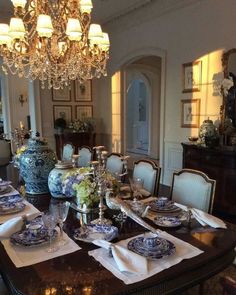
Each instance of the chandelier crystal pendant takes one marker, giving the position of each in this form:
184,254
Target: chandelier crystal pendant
54,41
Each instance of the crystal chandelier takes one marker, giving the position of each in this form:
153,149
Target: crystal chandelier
54,41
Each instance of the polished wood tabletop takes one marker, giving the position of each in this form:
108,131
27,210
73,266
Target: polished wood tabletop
78,273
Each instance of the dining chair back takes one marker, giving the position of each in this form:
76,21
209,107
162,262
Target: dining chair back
85,156
67,152
115,163
150,173
193,188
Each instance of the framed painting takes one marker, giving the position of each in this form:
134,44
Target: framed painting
83,92
190,113
83,112
61,94
62,111
192,75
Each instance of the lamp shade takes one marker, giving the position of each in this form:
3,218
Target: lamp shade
95,34
17,28
105,43
86,6
19,3
73,29
44,26
4,34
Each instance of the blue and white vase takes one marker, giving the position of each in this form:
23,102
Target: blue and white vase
55,178
36,162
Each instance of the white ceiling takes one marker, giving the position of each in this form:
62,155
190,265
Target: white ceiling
103,11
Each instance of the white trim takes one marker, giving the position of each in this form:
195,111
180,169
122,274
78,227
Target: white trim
6,108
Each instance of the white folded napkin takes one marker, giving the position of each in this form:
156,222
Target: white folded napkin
14,225
125,259
204,218
127,188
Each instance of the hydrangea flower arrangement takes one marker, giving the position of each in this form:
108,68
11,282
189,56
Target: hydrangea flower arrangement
80,183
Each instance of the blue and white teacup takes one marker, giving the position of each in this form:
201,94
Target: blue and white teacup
162,201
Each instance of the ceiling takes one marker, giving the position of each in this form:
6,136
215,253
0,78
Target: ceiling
103,11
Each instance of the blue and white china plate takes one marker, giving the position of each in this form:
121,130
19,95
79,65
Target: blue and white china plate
91,232
11,204
167,221
161,249
169,207
29,238
5,183
5,190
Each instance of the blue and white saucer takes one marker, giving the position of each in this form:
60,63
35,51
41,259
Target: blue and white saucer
91,232
161,248
167,221
169,207
11,204
29,238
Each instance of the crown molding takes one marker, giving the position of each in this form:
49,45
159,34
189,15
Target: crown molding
144,11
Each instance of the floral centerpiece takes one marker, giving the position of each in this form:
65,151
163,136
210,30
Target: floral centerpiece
80,183
85,125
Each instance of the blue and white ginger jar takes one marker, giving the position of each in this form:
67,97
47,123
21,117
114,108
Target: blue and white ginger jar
55,178
36,162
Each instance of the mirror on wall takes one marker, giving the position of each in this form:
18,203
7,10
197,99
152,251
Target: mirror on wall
229,102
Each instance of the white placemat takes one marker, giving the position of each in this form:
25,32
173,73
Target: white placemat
183,251
25,256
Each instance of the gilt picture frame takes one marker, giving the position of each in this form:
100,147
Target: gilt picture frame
190,113
84,111
61,95
62,111
83,91
192,76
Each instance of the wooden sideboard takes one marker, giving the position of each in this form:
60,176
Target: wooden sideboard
220,164
78,139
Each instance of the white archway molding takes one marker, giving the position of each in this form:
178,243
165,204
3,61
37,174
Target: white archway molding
130,57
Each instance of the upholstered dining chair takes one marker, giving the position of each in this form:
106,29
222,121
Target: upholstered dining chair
85,156
193,188
150,173
67,152
115,163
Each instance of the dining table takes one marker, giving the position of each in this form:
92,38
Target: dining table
79,273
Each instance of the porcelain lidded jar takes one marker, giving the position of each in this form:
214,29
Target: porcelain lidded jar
208,134
55,178
36,162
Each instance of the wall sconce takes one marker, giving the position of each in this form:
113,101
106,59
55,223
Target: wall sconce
22,99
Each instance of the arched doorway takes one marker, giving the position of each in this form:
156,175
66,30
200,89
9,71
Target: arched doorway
141,108
138,114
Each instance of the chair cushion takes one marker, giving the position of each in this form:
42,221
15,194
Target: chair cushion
192,190
85,157
114,164
146,172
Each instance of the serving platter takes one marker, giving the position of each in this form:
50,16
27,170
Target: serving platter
167,221
89,233
162,248
31,238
